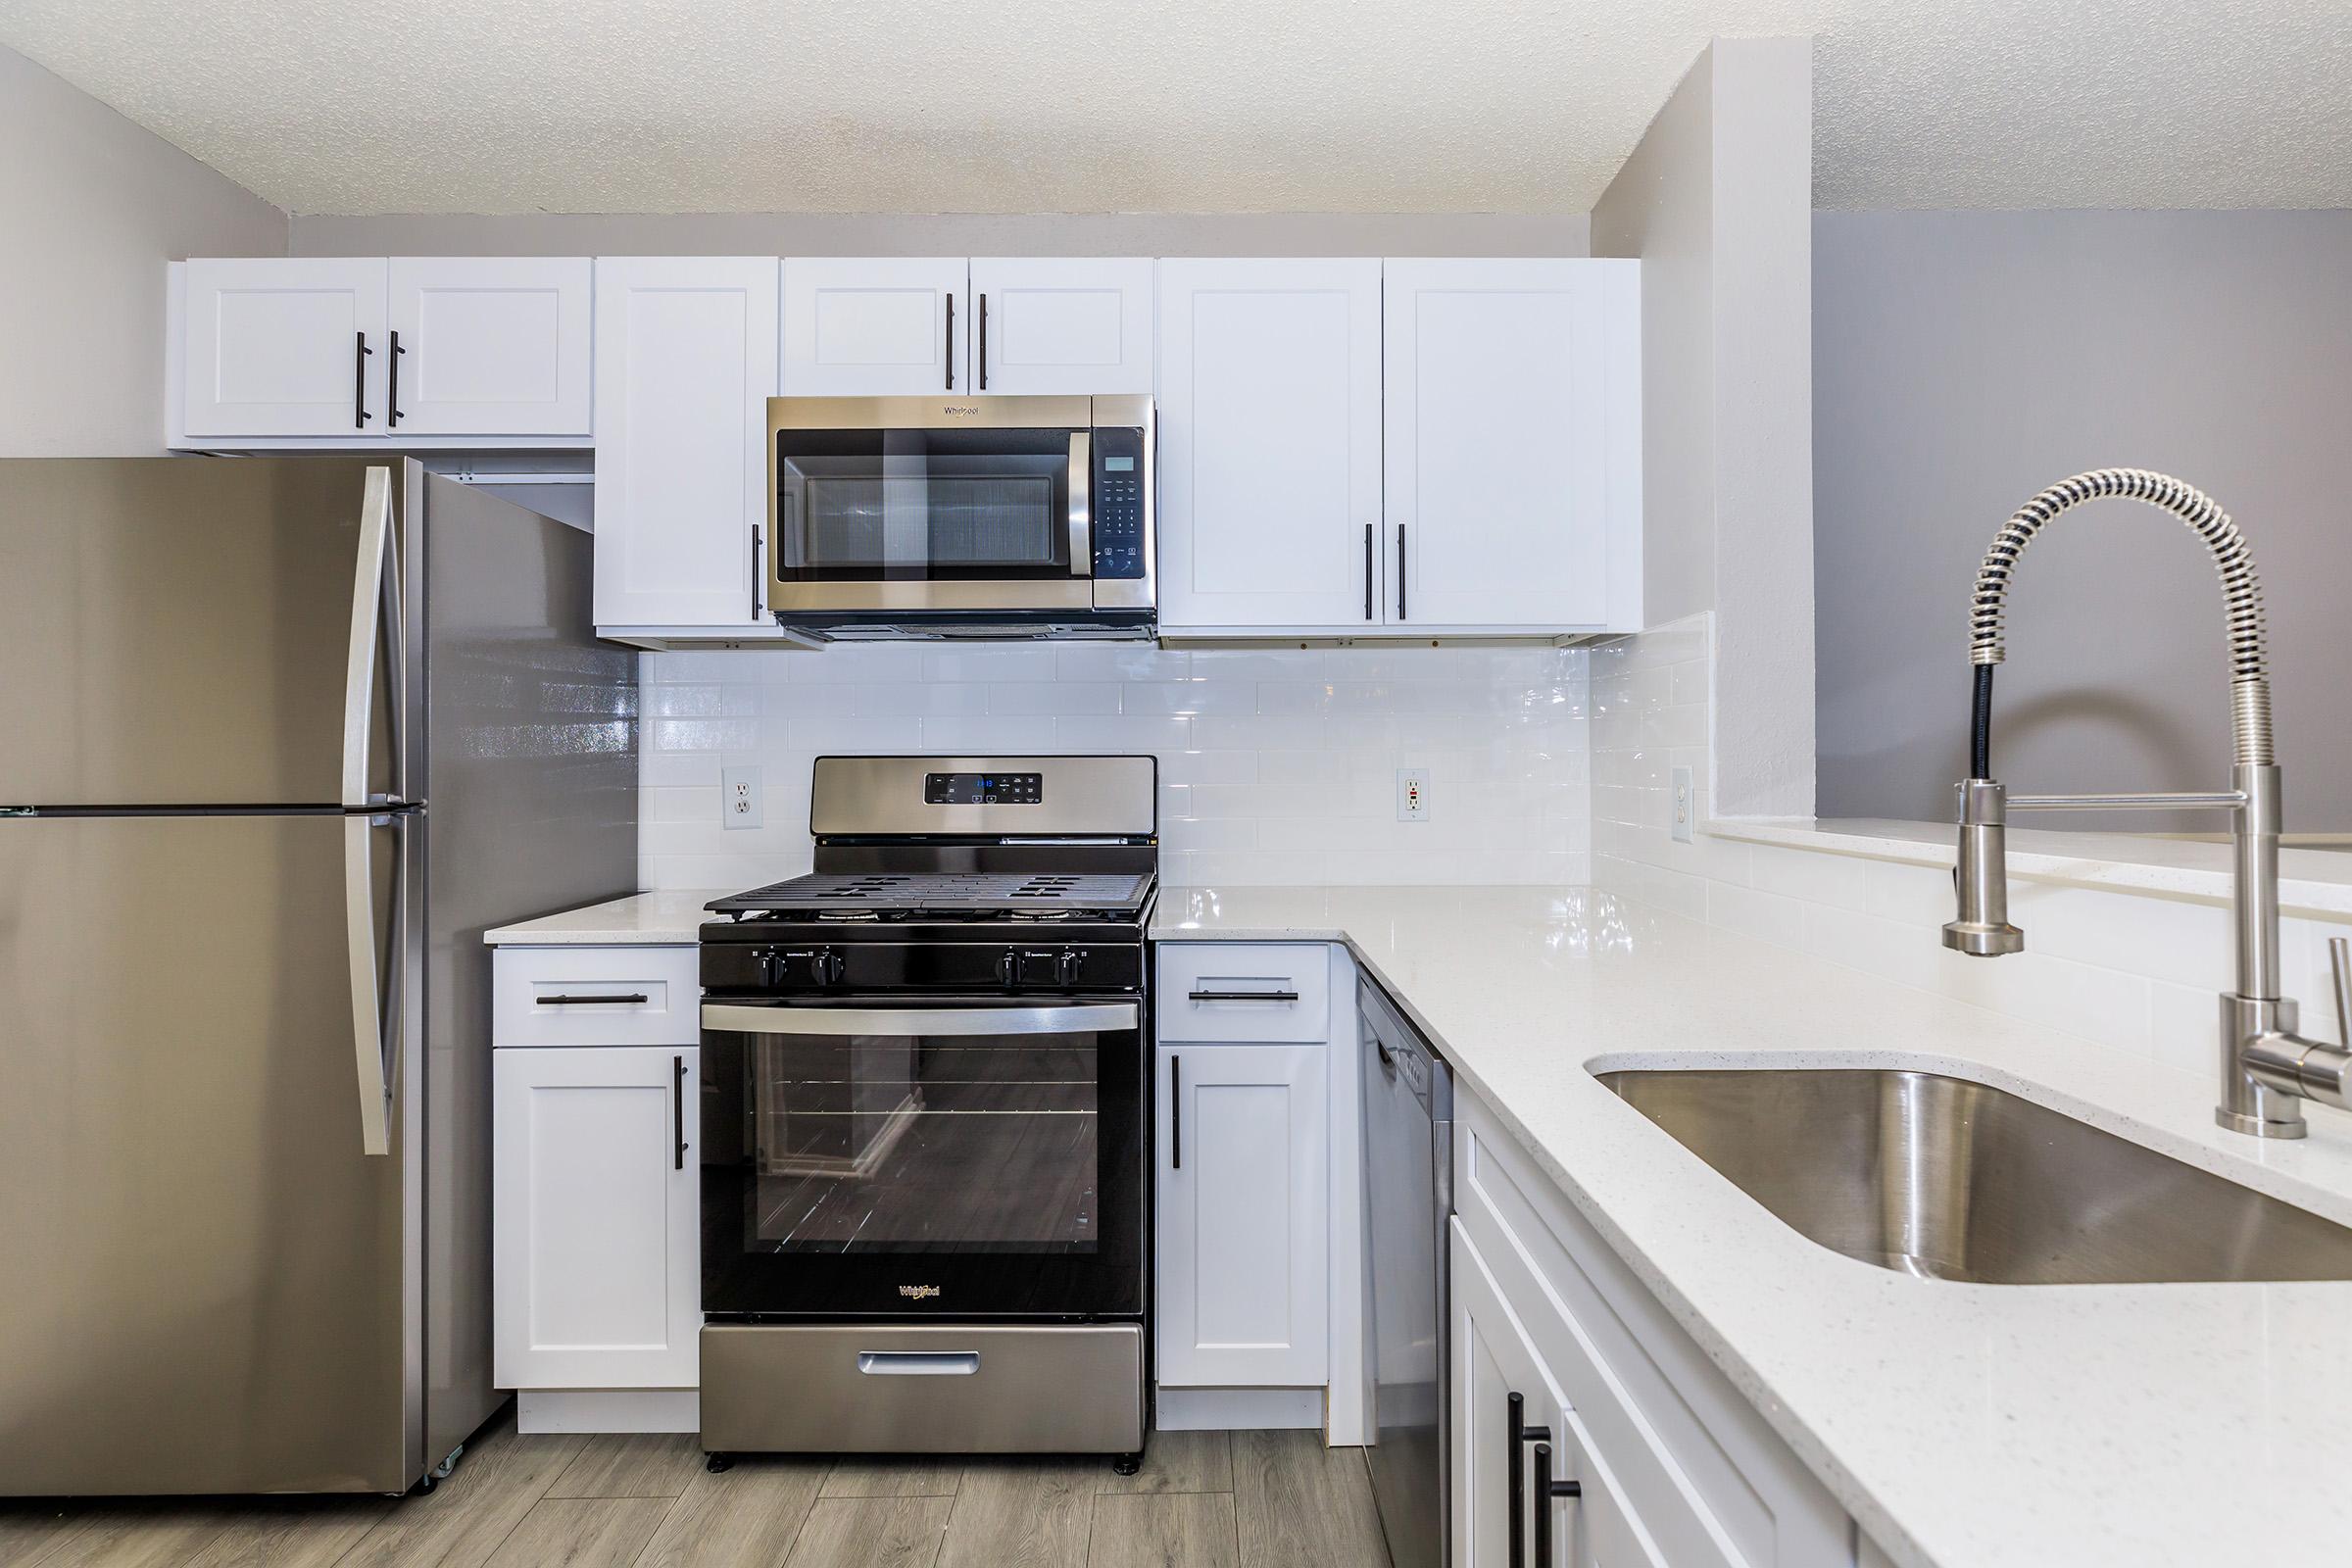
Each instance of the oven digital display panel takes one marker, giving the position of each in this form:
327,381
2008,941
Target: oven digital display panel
983,789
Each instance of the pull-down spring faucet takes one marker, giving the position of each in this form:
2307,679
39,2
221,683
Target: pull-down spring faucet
2267,1069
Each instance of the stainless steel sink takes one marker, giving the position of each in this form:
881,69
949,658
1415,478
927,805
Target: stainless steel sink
1952,1180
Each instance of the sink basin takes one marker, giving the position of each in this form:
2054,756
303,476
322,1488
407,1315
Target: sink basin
1952,1180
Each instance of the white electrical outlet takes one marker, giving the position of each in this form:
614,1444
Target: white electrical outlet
1681,806
739,797
1412,795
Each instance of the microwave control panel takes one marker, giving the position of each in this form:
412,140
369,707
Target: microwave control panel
1119,475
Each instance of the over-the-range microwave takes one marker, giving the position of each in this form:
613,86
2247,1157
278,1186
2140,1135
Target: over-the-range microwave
961,516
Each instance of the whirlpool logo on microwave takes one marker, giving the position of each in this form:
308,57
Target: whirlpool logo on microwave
918,1292
958,408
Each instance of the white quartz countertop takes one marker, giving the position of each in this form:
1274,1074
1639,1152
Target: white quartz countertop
644,919
1965,1426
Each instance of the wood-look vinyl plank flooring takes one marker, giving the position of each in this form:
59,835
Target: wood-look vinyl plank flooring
1202,1499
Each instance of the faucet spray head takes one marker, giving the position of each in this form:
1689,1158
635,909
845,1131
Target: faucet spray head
1980,879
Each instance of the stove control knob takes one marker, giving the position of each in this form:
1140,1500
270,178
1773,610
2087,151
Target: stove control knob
1067,964
771,967
827,966
1009,970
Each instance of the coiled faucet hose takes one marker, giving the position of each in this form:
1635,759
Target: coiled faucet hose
2241,588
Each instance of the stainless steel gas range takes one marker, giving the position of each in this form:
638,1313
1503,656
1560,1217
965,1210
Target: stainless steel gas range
925,1118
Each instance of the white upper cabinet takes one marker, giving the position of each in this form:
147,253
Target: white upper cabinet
1269,444
876,326
686,362
272,346
1510,389
329,351
1071,326
489,346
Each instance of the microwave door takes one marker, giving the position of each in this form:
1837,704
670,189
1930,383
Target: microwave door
930,520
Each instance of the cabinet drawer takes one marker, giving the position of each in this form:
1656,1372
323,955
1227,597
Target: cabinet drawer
620,995
1274,993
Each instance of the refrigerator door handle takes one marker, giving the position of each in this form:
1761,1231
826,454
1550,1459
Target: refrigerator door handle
369,1037
375,589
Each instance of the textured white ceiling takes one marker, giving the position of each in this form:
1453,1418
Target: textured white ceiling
1368,106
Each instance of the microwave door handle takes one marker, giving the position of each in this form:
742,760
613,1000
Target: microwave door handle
1082,507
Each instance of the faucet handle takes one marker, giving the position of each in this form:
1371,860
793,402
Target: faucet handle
2339,961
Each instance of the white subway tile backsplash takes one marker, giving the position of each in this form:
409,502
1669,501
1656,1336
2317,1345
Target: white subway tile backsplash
1276,764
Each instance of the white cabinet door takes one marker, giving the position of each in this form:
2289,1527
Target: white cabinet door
876,327
278,347
1071,326
1269,444
1494,1358
1499,399
489,345
1243,1223
596,1281
686,362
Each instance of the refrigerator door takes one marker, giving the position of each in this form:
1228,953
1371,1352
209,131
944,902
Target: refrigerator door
211,1287
529,758
178,631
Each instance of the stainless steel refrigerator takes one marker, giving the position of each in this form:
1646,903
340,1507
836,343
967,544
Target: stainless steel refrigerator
279,739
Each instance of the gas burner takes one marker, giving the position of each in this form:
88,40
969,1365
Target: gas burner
947,894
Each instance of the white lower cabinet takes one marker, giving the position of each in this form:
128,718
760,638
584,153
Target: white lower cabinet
1675,1467
1244,1214
596,1279
1494,1358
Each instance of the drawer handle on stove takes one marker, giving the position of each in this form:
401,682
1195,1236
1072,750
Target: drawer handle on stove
635,998
1086,1017
1242,995
918,1364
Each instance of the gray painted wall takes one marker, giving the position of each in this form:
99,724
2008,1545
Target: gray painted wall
943,234
95,205
1963,360
1717,201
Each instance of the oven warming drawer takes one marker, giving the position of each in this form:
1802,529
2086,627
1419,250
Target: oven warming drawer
934,1389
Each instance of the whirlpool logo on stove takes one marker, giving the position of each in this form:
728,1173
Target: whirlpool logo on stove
918,1292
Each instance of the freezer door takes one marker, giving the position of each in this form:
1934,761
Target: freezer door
209,1286
530,763
178,631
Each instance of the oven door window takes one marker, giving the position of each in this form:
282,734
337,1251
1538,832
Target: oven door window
962,1171
922,506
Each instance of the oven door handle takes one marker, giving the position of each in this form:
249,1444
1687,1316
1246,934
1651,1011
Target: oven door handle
1077,1018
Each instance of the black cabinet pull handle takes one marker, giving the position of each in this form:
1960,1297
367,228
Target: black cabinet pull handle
1401,571
950,344
1520,1436
1547,1492
1242,995
1367,572
983,342
358,383
394,399
677,1107
634,998
1175,1115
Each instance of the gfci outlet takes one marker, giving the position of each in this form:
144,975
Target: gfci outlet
739,797
1412,795
1682,804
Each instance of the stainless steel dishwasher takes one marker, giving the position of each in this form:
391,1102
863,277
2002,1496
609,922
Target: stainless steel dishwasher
1408,1172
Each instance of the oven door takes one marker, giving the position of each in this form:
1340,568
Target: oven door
965,1160
962,512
